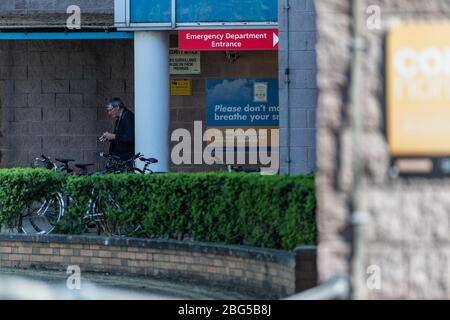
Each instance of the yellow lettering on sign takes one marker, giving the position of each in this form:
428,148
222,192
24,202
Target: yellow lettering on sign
418,88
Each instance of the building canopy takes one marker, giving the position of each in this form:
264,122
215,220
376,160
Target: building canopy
174,14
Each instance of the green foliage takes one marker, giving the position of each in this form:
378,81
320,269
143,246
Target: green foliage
20,186
246,209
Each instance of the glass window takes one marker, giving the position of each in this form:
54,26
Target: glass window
150,11
158,11
227,11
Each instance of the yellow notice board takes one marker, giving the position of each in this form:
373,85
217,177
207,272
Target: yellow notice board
418,90
181,87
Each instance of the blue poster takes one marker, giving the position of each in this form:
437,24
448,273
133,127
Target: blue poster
242,103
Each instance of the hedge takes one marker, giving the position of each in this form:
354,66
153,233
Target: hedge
244,209
20,186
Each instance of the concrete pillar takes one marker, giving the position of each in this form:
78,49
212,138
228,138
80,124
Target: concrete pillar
152,92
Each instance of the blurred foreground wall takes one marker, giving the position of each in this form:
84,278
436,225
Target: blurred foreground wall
408,232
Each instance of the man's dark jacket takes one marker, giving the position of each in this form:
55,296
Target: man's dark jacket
123,145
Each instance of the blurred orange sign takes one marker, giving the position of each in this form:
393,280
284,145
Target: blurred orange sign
418,90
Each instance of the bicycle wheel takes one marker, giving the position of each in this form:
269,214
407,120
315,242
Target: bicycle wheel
41,216
136,170
112,219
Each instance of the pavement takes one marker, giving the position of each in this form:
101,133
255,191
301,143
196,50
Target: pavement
18,284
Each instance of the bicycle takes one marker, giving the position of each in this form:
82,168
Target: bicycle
40,217
251,170
106,206
95,212
147,163
231,168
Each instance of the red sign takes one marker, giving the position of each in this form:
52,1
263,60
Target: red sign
228,40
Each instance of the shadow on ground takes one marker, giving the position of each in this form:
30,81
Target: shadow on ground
37,284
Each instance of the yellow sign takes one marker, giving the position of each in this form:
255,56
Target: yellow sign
418,106
181,87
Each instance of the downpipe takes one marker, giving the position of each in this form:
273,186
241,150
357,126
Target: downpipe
287,82
358,217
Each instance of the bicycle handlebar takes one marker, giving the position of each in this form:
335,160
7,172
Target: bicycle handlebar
45,158
115,163
137,156
118,165
106,155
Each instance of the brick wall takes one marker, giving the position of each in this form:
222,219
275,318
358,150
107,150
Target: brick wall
52,96
265,273
407,234
303,87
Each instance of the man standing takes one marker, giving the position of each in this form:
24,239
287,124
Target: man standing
122,139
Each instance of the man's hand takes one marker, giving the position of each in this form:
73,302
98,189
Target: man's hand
107,137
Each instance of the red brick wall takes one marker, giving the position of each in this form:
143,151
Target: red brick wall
267,273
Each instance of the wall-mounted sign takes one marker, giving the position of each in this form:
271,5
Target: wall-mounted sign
418,102
248,108
260,91
181,87
419,90
242,102
184,62
228,40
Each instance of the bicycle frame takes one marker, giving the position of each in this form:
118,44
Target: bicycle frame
94,212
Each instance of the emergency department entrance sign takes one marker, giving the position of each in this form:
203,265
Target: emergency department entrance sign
418,97
233,40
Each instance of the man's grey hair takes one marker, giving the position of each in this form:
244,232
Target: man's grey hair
115,103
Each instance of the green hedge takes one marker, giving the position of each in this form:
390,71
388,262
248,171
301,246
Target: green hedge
19,186
263,211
